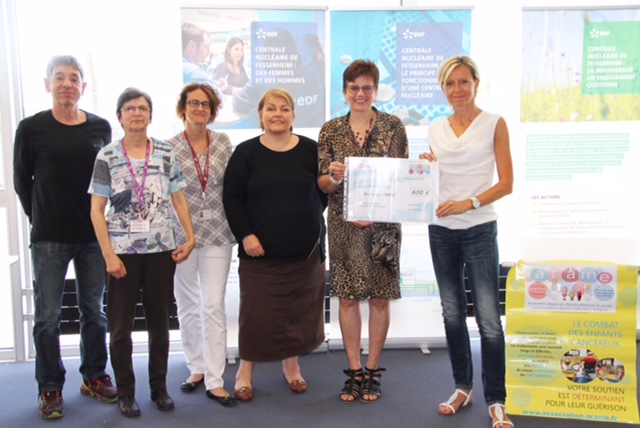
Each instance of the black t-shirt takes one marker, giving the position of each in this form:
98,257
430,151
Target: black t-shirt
52,167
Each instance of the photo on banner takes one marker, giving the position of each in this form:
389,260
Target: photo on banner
407,46
247,51
571,340
580,65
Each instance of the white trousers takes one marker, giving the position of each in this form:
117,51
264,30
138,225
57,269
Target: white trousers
200,287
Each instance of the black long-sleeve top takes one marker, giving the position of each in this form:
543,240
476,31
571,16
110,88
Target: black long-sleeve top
52,167
274,195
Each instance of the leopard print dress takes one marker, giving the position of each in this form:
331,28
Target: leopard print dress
354,273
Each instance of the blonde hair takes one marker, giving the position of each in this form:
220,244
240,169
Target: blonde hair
280,93
449,64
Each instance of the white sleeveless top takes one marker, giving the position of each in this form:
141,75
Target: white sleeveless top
467,164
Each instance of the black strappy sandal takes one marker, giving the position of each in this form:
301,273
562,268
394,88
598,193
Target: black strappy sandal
352,386
371,384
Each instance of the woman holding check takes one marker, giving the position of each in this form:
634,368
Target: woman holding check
356,275
470,145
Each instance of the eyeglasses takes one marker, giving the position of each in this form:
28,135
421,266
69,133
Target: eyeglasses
132,109
354,89
196,104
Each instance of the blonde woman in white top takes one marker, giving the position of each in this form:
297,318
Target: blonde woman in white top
470,145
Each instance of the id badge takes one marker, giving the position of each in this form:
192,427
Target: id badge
204,215
140,226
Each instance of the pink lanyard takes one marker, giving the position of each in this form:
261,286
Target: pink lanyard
203,176
139,189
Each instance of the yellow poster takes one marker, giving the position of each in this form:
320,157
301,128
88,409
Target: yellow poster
571,341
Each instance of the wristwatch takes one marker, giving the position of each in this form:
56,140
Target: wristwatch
475,202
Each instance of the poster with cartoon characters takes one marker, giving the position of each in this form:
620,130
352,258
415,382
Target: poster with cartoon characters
571,341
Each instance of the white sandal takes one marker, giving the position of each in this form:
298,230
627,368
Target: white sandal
448,404
499,414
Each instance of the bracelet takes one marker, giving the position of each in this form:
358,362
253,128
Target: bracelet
334,181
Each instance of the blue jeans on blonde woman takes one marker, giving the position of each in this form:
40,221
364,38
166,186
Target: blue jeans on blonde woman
476,250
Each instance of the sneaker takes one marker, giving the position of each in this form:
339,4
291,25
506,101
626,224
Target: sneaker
51,405
101,387
128,406
162,399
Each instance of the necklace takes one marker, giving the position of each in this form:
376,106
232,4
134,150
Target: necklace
363,138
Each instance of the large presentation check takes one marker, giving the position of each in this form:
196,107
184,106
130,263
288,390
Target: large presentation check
390,190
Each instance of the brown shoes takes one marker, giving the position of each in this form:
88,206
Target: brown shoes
298,386
244,393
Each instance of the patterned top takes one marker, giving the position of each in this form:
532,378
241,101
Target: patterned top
112,179
210,229
355,274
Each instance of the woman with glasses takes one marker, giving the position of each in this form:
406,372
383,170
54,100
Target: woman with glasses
470,145
141,179
275,208
201,281
355,274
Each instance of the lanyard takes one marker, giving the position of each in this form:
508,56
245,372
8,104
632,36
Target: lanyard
203,176
139,189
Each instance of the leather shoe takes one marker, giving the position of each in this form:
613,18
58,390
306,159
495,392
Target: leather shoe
297,385
191,386
128,406
162,400
228,401
244,393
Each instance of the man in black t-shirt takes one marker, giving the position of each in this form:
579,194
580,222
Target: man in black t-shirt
54,153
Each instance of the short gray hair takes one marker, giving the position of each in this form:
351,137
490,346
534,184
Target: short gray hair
131,94
59,60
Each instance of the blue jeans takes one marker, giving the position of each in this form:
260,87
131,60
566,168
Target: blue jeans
50,264
476,251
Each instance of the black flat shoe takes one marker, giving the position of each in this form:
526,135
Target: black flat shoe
228,401
190,386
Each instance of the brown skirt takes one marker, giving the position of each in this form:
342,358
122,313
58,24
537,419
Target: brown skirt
281,308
